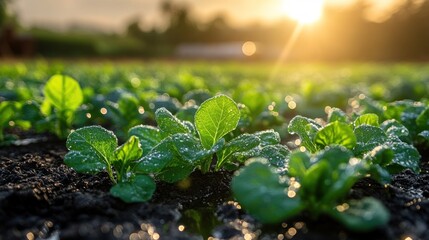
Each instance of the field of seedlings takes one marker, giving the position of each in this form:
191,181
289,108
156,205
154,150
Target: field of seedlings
213,150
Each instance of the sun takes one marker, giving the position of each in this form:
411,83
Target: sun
303,11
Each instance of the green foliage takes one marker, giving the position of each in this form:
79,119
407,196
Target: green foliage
362,136
258,185
64,95
168,124
138,188
149,136
406,118
177,149
306,129
93,149
368,137
361,215
215,118
367,119
7,113
336,114
238,145
172,151
335,133
212,134
316,184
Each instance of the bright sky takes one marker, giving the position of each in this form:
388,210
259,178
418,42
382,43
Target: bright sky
113,15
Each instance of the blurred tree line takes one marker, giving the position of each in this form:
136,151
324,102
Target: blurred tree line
342,34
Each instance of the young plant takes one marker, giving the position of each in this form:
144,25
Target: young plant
94,149
380,145
172,151
176,148
316,184
413,115
63,96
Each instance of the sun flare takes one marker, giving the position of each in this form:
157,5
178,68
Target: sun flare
303,11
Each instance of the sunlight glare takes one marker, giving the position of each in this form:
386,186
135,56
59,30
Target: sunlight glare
248,48
304,11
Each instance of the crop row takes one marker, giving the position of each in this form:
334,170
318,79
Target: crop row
213,133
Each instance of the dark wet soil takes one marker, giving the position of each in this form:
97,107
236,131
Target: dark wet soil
41,198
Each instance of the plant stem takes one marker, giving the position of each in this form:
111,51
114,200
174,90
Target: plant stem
110,172
205,166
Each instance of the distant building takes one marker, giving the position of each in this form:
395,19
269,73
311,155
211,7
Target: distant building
225,51
211,51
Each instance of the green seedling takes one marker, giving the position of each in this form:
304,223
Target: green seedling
365,137
176,148
171,151
63,96
94,149
316,184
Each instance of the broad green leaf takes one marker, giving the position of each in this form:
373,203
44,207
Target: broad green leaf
334,156
190,127
268,137
409,118
331,175
188,148
148,136
395,109
175,171
139,189
168,123
299,162
215,118
46,107
395,130
306,129
157,158
367,138
257,185
336,133
336,114
381,155
342,180
63,92
361,215
166,162
91,149
242,143
176,150
315,182
405,156
129,151
367,119
275,154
